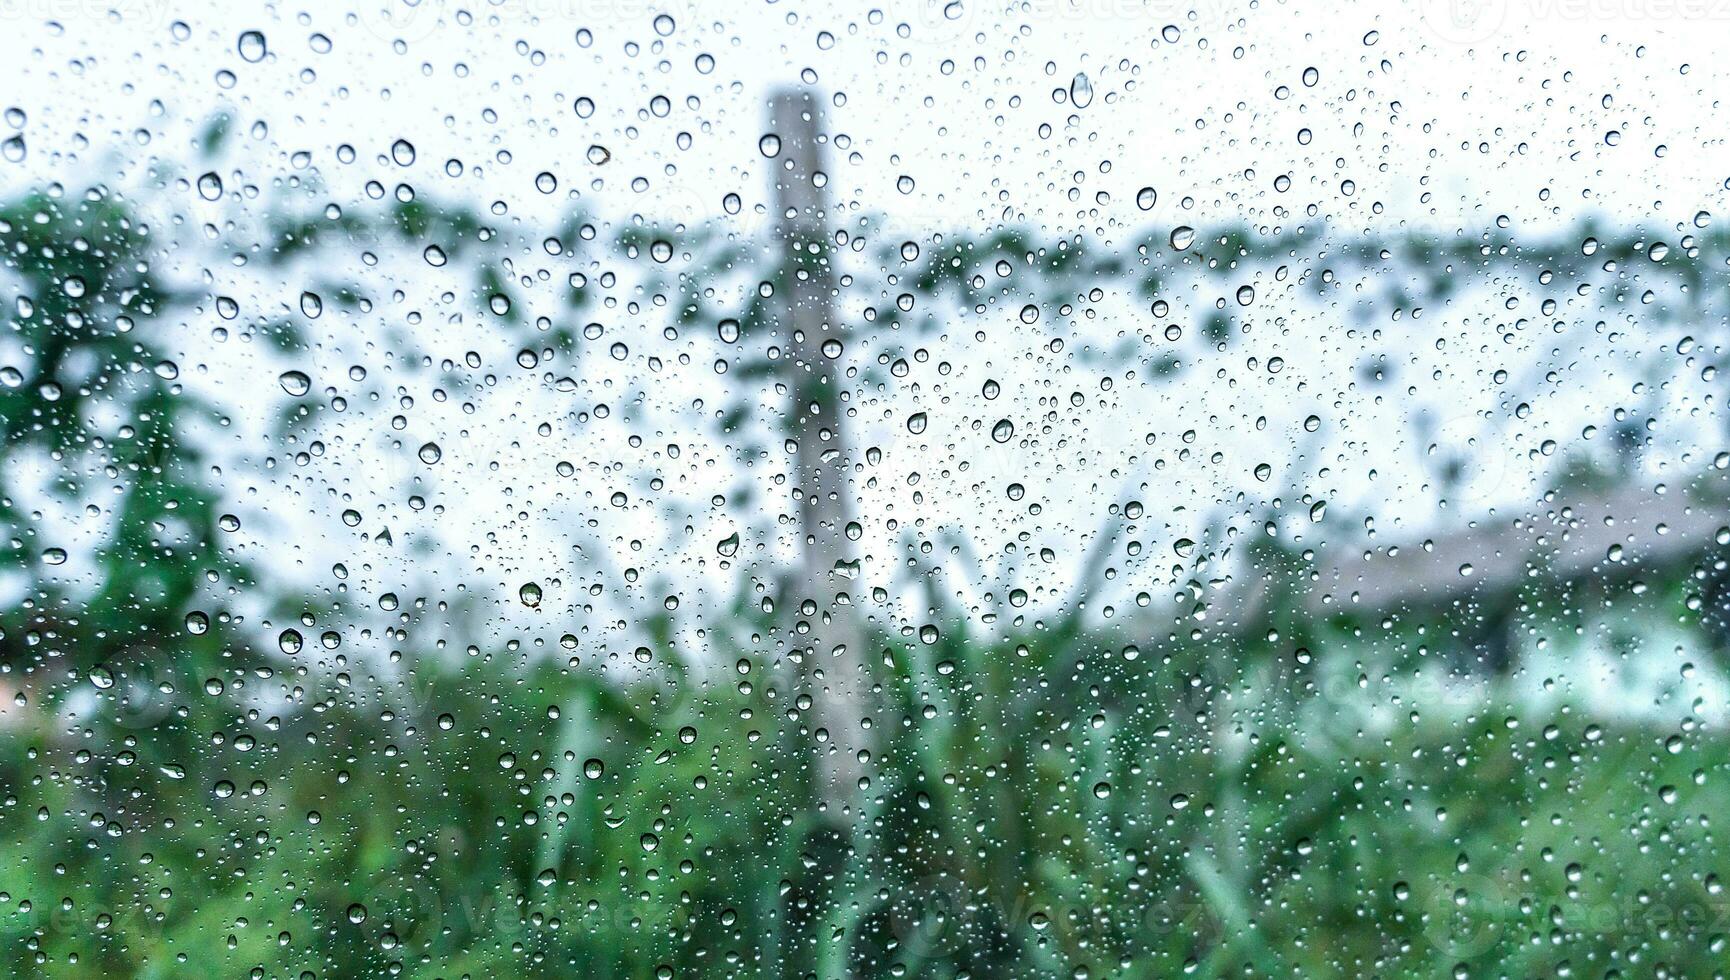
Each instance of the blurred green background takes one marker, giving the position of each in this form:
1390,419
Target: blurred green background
1284,786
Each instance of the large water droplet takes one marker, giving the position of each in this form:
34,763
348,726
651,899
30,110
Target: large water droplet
1081,90
252,47
295,383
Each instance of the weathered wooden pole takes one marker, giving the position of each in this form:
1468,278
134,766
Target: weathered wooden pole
815,349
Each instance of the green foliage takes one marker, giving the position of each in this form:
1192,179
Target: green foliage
1045,798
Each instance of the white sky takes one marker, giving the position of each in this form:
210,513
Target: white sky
1525,78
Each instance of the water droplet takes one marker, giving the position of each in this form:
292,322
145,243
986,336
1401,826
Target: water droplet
769,145
210,186
1182,237
295,383
1145,198
1081,90
530,594
1003,431
430,453
251,46
916,423
311,304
